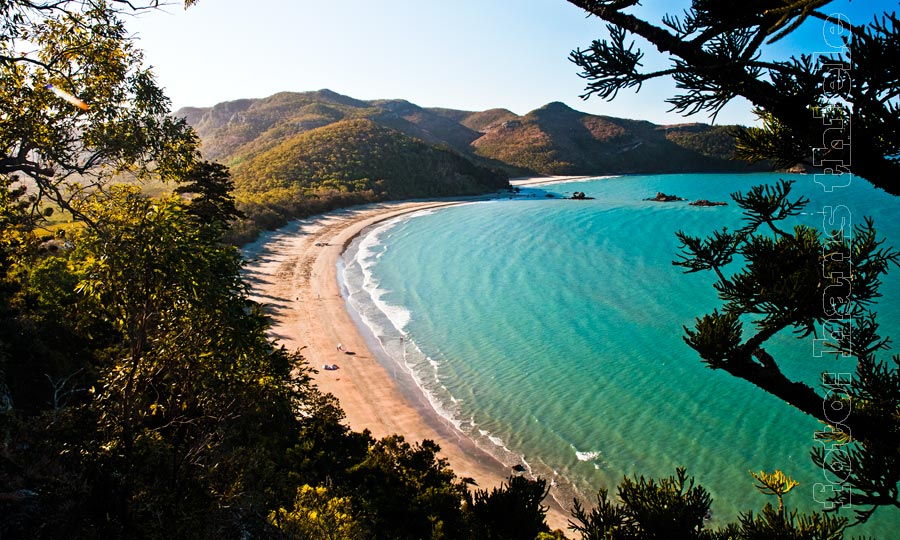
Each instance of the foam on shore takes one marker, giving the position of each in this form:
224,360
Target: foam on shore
418,375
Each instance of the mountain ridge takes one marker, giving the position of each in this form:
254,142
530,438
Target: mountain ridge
550,140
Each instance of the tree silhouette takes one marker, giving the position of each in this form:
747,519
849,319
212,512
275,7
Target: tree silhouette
808,103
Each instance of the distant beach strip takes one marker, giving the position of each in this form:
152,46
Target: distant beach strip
530,181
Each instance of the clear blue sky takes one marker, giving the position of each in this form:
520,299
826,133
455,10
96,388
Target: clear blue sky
465,54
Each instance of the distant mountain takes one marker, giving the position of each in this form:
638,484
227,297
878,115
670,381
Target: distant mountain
554,139
557,139
292,154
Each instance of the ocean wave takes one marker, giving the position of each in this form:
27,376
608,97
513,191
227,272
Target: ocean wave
387,323
369,250
594,458
429,384
588,456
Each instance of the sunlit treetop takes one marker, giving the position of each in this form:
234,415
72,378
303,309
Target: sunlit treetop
78,107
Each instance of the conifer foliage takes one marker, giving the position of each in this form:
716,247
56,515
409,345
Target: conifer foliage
819,285
836,110
674,508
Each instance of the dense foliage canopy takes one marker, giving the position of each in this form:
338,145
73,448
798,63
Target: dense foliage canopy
140,394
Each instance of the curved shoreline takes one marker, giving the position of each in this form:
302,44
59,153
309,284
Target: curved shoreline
293,272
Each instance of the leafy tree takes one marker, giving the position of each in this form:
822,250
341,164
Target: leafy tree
808,104
189,337
211,186
777,484
813,284
405,491
13,234
79,108
42,360
14,230
672,508
326,450
514,511
779,523
174,413
318,516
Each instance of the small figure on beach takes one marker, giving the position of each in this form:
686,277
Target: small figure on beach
340,347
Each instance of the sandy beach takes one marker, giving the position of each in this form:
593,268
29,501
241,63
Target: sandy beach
293,272
543,180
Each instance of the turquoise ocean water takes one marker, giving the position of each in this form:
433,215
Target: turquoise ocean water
550,332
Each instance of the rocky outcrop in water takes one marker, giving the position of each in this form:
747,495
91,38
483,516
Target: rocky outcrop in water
662,197
704,202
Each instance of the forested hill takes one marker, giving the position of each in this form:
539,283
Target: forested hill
362,155
554,139
297,154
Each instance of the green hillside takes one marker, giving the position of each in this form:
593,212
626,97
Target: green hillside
349,162
360,155
234,130
484,120
294,154
425,124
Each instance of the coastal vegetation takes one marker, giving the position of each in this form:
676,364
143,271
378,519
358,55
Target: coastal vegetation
350,162
141,395
675,507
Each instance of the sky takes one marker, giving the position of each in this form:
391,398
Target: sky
466,54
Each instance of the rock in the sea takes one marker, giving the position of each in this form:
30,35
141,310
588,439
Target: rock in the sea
704,202
662,197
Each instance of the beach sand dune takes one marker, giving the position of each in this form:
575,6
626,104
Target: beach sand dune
293,272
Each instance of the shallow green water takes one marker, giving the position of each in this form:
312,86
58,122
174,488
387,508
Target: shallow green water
549,331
